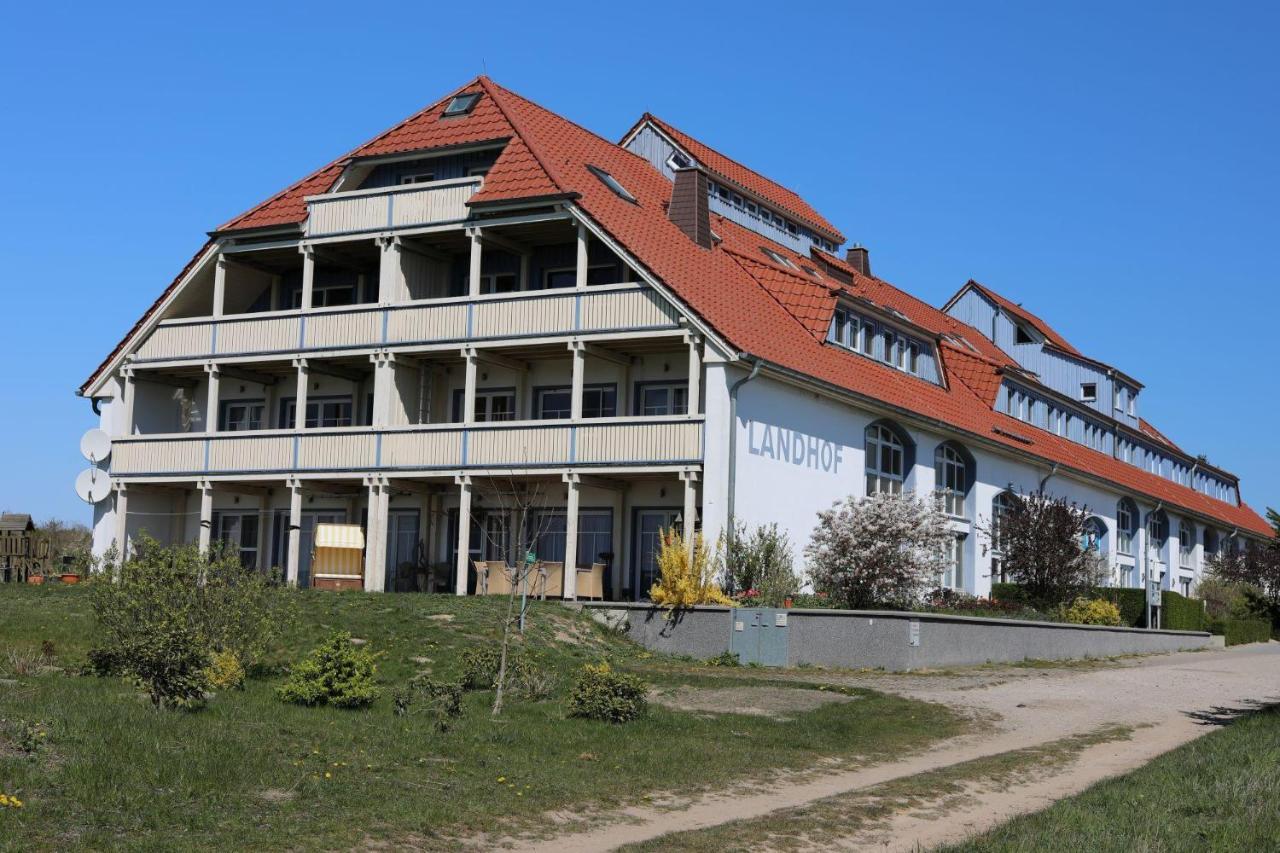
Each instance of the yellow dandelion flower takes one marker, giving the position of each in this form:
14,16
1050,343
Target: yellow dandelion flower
502,778
328,775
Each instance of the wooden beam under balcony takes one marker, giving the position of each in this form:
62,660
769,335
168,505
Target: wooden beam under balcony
232,372
336,371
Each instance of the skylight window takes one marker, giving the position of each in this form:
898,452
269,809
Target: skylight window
776,258
678,161
612,183
460,105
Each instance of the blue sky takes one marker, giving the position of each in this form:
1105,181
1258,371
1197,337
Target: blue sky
1112,168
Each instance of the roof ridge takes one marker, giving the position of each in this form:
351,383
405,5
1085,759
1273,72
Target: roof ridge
493,88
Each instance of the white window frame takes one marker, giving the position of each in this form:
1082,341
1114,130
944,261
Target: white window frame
878,438
417,178
1085,396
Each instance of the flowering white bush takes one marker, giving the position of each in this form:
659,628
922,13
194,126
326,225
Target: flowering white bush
883,550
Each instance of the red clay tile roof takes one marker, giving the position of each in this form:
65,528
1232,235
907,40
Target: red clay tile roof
1023,314
763,310
1146,428
730,169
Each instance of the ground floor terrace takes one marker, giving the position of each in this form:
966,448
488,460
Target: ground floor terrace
605,524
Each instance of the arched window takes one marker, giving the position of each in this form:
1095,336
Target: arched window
1186,542
1126,525
953,474
1212,542
1157,530
886,459
1095,536
1000,507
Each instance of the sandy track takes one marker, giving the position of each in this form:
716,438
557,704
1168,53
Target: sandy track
1175,698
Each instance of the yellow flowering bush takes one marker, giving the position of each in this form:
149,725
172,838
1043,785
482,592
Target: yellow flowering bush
1096,611
8,801
683,582
224,672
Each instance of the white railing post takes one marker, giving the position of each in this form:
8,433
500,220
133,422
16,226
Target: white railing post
469,386
391,281
579,353
206,515
219,287
300,398
477,255
308,274
211,398
580,269
690,512
375,549
695,373
128,394
122,520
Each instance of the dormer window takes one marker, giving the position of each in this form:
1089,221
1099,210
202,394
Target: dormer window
1089,392
886,345
677,160
460,105
612,183
1022,336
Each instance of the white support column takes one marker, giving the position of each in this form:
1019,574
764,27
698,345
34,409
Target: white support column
308,274
219,287
211,398
690,512
128,394
464,535
392,287
579,353
477,254
580,279
300,399
695,373
295,532
383,387
375,551
206,516
571,536
122,519
469,386
617,565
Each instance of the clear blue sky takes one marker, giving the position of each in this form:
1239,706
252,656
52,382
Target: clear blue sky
1113,168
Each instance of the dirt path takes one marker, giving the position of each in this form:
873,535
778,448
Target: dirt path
1175,698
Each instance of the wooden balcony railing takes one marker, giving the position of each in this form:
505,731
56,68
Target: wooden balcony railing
390,208
512,444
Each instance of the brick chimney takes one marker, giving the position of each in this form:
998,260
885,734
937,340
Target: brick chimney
688,208
857,257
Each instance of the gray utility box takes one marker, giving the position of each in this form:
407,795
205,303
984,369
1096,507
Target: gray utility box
760,635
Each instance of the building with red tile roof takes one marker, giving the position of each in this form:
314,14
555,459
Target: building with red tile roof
488,262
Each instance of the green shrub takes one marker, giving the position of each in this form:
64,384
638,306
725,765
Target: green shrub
1179,613
168,660
525,676
336,673
480,668
1132,604
761,565
600,693
440,699
1092,611
724,659
1240,631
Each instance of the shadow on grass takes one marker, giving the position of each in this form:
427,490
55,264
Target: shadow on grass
1223,715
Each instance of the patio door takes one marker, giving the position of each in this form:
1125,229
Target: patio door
648,542
402,547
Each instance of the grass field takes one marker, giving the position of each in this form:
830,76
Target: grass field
249,771
1221,792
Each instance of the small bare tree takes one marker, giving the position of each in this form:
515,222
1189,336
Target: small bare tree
522,522
1042,544
883,550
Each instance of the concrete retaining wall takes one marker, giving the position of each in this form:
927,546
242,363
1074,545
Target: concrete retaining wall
892,640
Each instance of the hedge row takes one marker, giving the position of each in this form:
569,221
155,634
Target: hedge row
1239,631
1178,613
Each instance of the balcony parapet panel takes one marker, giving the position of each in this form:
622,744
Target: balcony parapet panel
534,313
390,208
629,441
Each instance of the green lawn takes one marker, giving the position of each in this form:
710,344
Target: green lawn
1221,792
248,771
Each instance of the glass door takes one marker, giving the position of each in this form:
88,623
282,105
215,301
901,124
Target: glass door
648,542
402,548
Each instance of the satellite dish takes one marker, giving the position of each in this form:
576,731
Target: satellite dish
93,485
95,445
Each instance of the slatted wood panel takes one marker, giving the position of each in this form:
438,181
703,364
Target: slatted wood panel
337,451
519,446
158,456
427,323
627,309
344,215
266,453
657,442
344,329
425,207
422,449
529,316
275,334
180,341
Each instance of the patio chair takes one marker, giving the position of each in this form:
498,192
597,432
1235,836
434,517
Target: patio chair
591,582
482,577
553,575
499,578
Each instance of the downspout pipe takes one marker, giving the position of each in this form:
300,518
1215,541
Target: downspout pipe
730,499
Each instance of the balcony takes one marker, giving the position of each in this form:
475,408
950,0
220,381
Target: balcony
390,208
511,444
571,311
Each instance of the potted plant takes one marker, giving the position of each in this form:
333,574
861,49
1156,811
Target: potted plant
69,573
35,578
